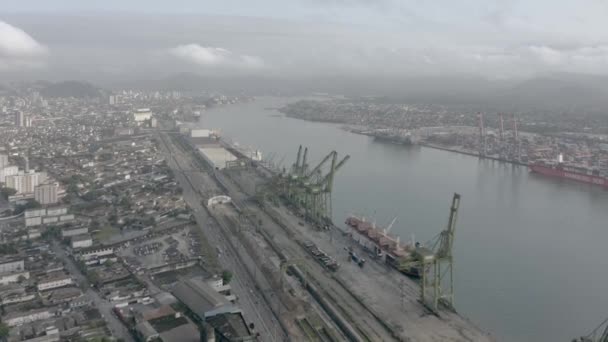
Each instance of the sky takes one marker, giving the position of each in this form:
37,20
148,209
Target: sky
299,38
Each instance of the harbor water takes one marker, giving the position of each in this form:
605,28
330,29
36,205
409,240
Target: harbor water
530,256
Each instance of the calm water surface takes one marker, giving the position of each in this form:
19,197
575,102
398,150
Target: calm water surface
530,252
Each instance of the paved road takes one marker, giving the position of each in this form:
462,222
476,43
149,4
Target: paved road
255,309
105,307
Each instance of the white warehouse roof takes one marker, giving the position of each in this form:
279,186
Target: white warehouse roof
218,156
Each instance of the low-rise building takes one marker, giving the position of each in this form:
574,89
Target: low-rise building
33,234
202,299
95,252
34,213
13,319
71,295
69,232
81,241
57,211
53,281
14,293
13,277
8,265
33,221
50,220
142,114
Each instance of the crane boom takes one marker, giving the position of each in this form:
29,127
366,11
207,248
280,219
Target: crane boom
303,166
318,167
297,165
328,179
390,226
447,236
604,337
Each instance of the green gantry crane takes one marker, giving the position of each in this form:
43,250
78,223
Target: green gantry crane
599,334
310,190
435,265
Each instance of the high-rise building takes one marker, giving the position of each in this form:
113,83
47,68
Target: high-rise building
112,99
28,121
46,193
3,162
23,182
19,118
8,171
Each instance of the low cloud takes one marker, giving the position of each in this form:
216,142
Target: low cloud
18,50
215,57
16,43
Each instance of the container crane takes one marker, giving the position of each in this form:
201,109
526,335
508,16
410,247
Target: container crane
295,169
319,208
310,190
435,265
594,335
304,166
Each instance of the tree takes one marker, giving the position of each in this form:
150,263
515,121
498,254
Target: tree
4,330
6,192
95,224
226,276
32,204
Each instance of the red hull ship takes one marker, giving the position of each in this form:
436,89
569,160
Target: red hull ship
571,173
382,245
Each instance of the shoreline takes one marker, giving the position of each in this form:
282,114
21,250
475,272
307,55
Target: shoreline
443,148
472,154
423,144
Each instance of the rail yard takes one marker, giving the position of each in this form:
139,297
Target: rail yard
303,276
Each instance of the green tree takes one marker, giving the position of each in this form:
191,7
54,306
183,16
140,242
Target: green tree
32,204
4,330
6,192
226,276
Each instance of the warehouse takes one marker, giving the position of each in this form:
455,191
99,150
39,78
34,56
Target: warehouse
217,156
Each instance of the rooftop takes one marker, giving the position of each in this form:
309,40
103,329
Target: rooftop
230,325
202,299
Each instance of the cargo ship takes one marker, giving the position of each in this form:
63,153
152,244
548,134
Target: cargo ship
575,173
381,245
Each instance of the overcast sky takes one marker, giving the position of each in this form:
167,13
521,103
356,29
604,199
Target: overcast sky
493,39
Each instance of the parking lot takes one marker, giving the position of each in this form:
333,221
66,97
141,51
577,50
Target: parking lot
161,248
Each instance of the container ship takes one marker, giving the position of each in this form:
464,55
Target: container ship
381,245
575,173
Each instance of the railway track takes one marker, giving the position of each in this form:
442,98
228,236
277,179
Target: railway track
366,323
